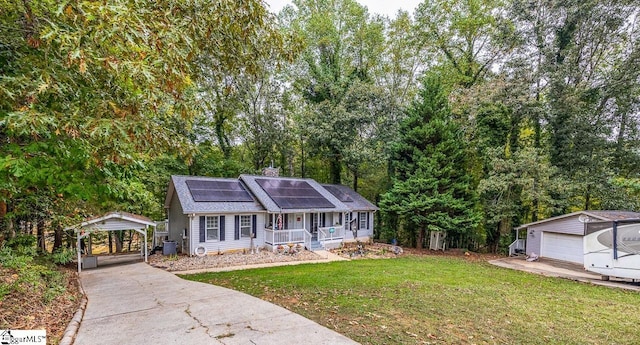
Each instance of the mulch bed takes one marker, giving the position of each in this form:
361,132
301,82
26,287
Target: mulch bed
185,263
364,250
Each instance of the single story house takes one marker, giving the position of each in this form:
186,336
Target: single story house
214,215
561,237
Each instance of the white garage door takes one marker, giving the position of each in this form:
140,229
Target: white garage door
562,247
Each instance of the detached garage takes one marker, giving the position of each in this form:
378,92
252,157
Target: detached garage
560,238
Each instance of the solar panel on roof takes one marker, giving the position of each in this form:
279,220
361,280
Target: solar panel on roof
218,191
291,194
341,195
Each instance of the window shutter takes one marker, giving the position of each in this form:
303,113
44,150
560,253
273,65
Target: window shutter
340,218
358,221
222,228
237,230
286,221
368,218
323,220
203,234
254,225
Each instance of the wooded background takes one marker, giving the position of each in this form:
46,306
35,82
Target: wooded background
469,117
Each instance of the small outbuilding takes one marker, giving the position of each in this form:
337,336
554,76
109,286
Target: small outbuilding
561,237
112,221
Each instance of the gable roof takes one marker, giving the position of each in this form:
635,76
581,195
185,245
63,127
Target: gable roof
178,185
349,197
270,197
593,215
115,221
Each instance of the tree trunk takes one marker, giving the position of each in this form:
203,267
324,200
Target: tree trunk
493,238
302,172
587,199
421,235
355,180
535,203
3,212
71,240
58,234
336,169
119,237
110,241
40,234
130,240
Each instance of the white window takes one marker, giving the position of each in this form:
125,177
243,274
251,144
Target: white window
213,228
245,226
363,220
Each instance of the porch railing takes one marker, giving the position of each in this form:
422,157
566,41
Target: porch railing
517,246
329,233
277,237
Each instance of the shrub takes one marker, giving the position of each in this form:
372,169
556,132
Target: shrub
63,256
23,244
18,256
11,258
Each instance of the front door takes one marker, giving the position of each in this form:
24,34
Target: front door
297,221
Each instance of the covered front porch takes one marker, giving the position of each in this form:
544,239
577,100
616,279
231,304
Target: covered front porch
307,229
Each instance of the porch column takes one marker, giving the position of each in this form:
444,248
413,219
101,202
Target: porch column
304,220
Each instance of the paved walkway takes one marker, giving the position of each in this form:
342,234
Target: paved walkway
139,304
560,269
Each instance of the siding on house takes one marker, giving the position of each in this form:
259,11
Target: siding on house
534,242
229,243
362,232
569,225
178,221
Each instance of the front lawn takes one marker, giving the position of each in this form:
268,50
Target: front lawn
443,300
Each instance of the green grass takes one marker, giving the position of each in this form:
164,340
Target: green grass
443,300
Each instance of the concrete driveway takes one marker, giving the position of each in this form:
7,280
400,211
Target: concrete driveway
139,304
561,269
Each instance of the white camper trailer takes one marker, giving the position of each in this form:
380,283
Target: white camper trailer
613,248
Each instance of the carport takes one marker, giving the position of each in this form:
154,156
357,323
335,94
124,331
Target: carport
113,221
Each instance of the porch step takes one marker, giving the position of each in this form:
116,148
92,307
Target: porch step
316,245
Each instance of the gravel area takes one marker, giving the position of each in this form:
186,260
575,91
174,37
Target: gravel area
185,263
366,250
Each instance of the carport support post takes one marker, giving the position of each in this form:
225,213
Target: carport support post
145,245
79,256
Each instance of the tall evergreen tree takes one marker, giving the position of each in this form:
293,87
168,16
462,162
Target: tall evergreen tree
431,185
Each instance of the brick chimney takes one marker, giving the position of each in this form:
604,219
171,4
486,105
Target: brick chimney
271,172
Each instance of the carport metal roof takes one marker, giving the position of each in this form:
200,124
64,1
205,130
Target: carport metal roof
112,221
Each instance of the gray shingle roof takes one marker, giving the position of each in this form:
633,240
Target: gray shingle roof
615,215
595,215
178,186
359,203
264,198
